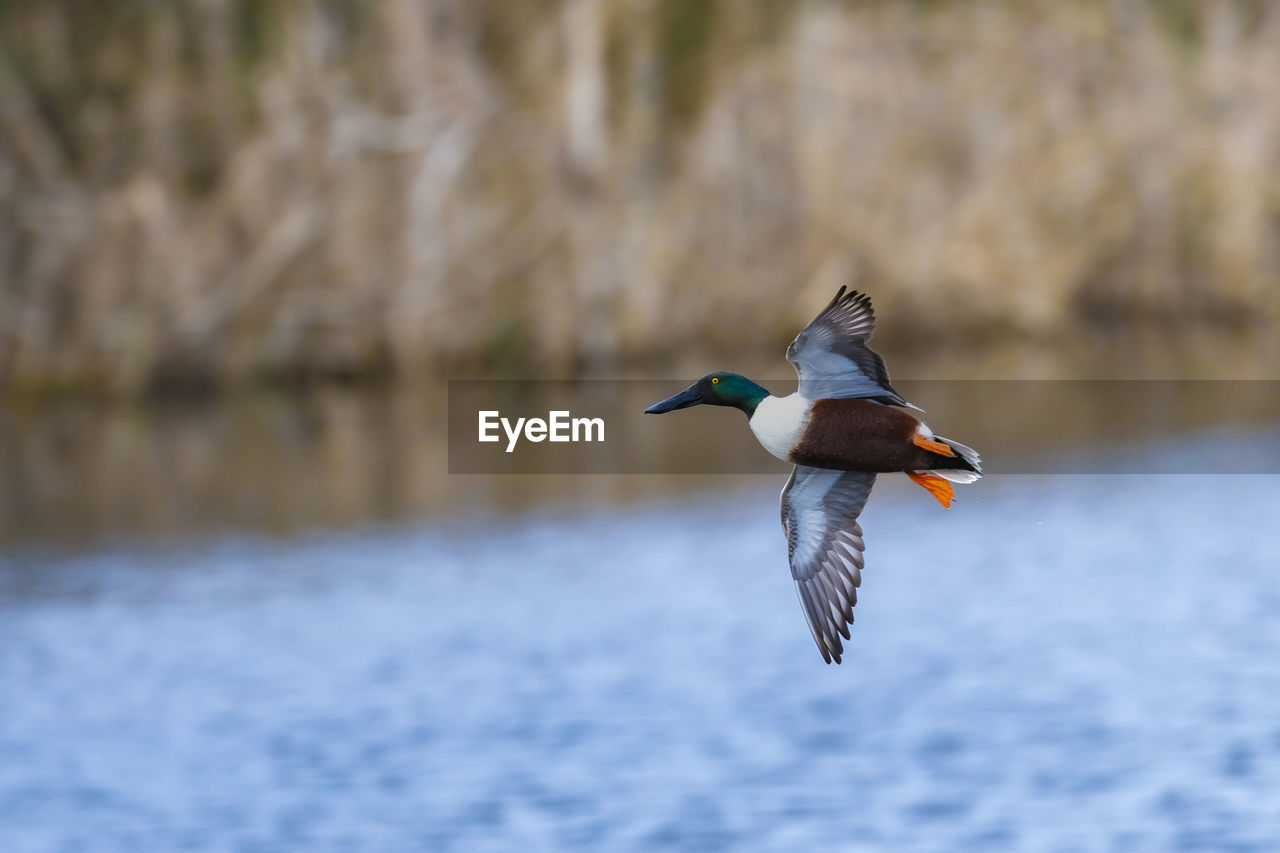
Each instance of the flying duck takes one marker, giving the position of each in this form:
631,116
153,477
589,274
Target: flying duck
842,427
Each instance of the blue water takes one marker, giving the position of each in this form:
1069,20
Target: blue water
1072,663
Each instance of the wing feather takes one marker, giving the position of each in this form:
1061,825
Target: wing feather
832,358
820,508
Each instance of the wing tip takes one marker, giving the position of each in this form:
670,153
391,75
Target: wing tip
848,305
835,300
847,296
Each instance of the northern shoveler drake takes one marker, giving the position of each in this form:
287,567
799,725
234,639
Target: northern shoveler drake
841,428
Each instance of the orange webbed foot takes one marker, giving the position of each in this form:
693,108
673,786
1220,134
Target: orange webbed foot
936,486
932,446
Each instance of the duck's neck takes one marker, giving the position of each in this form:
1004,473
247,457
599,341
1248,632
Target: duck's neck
747,397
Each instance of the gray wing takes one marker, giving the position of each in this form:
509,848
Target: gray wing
831,354
820,511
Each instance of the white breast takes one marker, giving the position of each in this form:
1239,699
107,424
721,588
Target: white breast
778,422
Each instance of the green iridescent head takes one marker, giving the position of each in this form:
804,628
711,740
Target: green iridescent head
715,389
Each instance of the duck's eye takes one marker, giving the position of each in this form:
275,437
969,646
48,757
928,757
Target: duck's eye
715,380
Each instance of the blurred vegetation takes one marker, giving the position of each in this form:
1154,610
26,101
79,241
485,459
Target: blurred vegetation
220,192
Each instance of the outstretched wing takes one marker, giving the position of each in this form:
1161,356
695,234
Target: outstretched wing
832,358
820,509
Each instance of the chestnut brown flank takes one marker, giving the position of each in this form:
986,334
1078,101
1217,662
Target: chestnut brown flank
858,435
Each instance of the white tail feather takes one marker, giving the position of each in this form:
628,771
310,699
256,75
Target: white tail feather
969,455
955,476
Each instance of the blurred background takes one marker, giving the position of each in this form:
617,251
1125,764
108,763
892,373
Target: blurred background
244,245
218,192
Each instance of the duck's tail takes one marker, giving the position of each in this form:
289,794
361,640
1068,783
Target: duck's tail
957,464
966,467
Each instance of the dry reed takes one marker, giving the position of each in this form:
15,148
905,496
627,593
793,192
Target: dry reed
219,192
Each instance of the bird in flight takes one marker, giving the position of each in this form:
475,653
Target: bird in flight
842,427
